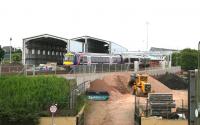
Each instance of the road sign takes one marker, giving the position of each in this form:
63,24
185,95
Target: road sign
53,109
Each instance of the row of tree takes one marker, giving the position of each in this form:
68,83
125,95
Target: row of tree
186,58
16,55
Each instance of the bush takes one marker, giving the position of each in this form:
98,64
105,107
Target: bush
24,99
187,59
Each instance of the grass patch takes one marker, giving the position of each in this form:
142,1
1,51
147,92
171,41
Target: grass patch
24,99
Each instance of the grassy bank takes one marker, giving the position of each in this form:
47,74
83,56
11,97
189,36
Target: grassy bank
25,99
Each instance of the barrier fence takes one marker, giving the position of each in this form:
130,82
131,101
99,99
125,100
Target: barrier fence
80,69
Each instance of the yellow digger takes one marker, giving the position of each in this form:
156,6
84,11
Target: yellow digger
139,84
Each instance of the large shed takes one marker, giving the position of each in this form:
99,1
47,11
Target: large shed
44,48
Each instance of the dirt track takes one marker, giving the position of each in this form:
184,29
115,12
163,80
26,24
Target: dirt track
119,109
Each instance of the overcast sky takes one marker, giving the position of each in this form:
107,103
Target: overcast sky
173,24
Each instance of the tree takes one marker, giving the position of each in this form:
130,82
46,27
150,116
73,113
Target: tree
187,59
176,59
1,54
17,55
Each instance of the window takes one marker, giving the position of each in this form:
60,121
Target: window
69,58
48,52
32,51
43,52
38,52
52,52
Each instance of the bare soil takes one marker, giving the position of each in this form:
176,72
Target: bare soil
119,109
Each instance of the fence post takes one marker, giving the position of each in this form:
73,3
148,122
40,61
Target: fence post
25,69
95,68
0,70
109,67
55,68
33,70
89,67
102,67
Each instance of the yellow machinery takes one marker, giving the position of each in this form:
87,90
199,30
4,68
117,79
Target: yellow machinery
139,84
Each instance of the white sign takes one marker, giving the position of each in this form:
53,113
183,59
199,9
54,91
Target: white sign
53,109
196,113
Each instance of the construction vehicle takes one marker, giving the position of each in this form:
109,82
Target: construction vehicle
139,84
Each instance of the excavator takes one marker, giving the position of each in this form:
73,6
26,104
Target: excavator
139,84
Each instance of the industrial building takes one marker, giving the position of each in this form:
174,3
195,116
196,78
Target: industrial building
48,48
43,48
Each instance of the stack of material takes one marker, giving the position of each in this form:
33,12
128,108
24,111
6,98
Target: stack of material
161,104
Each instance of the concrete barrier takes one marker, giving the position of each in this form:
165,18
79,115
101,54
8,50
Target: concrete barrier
58,121
81,78
157,121
76,120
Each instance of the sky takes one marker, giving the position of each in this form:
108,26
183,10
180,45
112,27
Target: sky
173,24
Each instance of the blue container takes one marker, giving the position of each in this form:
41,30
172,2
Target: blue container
97,96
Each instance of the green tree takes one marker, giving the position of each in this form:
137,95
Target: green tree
176,59
1,54
17,57
187,59
18,51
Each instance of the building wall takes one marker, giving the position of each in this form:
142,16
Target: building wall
47,48
76,46
117,49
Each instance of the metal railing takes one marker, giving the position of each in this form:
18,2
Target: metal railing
80,69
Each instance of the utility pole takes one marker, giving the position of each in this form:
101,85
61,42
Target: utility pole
147,26
10,49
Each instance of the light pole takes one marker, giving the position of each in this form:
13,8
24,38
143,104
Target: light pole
147,26
10,48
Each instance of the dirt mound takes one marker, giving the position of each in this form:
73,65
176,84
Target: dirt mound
115,81
173,81
100,85
110,83
119,83
115,85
